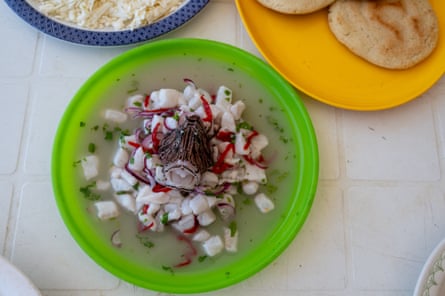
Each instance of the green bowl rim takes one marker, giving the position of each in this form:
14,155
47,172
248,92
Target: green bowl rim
183,283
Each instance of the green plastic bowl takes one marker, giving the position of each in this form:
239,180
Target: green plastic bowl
271,103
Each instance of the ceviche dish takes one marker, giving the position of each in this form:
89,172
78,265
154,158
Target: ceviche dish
181,169
184,166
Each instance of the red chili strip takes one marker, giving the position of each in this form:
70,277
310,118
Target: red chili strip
207,110
186,262
143,228
258,162
134,144
225,136
154,137
220,166
159,188
146,101
249,139
193,228
189,243
188,255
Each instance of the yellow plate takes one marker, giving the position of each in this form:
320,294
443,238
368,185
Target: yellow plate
306,53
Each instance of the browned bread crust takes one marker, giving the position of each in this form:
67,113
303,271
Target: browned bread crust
295,6
395,34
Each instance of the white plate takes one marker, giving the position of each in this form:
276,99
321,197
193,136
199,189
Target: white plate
432,278
13,282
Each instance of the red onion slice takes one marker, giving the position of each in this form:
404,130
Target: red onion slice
116,239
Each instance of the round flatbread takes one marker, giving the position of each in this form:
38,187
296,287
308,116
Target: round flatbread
295,6
394,34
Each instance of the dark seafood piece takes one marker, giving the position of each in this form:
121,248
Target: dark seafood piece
185,154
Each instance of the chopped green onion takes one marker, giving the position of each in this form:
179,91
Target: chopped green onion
91,148
122,192
88,192
233,228
167,268
108,136
164,218
145,241
244,125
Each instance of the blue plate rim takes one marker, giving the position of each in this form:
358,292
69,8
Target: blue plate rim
105,38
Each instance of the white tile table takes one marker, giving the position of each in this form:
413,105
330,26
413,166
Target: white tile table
378,213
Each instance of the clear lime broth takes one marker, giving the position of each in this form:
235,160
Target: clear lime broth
263,112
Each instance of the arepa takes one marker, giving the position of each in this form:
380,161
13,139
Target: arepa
394,34
295,6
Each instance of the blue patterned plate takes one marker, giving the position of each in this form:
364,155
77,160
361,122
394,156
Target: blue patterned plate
105,38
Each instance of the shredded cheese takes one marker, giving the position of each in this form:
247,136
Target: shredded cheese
108,14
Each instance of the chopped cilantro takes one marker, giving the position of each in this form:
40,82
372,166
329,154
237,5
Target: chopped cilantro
108,135
122,139
164,218
275,124
125,132
244,125
168,268
233,228
82,124
134,87
271,188
227,92
145,241
285,140
247,201
117,129
88,192
282,176
122,192
76,163
239,187
209,192
202,258
137,104
91,148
